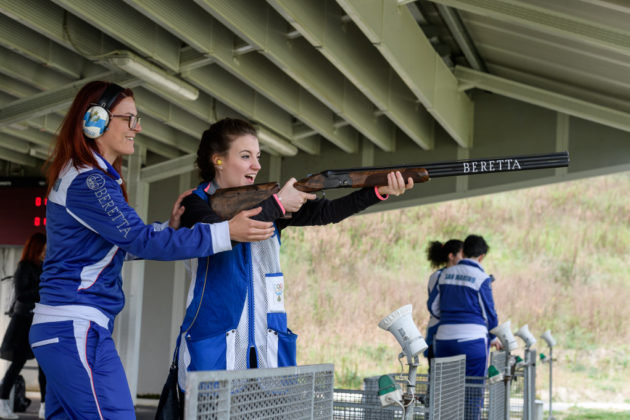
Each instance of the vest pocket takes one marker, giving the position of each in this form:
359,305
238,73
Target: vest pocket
211,353
281,348
277,322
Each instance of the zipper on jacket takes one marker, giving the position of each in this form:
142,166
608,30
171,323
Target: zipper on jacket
250,302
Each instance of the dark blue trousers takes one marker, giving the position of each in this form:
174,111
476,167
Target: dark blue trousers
476,352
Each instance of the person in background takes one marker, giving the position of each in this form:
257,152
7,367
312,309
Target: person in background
91,230
465,307
441,256
15,347
236,318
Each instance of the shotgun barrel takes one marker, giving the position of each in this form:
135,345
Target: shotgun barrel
376,176
477,166
227,202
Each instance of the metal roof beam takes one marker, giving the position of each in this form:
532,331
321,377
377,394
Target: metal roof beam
38,137
48,123
454,23
16,88
261,26
29,72
208,36
45,102
42,50
547,21
164,111
190,58
15,144
173,167
220,83
16,157
168,135
563,88
5,99
309,144
618,5
396,34
157,147
172,115
129,27
353,55
561,103
55,23
201,108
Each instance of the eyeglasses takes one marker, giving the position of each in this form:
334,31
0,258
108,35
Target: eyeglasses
134,120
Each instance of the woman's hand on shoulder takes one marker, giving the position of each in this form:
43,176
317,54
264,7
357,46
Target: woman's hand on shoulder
244,229
395,184
176,214
292,199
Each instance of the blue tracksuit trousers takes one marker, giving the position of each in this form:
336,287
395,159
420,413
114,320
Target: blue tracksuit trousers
476,352
84,351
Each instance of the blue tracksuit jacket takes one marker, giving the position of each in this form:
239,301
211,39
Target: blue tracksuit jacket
463,297
91,228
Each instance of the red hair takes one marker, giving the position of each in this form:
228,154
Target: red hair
71,145
33,248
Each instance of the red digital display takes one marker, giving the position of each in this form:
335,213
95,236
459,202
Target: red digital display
22,210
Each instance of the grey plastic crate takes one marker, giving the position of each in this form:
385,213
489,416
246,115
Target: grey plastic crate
445,402
291,393
446,387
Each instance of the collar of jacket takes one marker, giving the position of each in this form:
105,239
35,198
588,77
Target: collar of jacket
107,167
471,263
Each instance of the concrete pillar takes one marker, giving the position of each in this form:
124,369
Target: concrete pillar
128,323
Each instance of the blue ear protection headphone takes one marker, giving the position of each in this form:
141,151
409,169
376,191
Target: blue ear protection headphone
96,119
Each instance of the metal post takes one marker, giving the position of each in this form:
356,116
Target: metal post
526,410
411,388
527,385
508,382
550,382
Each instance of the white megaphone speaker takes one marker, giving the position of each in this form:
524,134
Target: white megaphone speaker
526,336
548,338
504,333
405,330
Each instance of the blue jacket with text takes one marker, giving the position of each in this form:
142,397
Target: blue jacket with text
91,229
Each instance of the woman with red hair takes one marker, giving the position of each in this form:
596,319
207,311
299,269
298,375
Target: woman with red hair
91,230
15,345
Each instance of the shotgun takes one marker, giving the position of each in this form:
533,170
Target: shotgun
227,202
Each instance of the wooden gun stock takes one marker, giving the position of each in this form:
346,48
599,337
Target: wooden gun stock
227,202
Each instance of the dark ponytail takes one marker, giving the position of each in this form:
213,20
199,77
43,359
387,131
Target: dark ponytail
438,252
